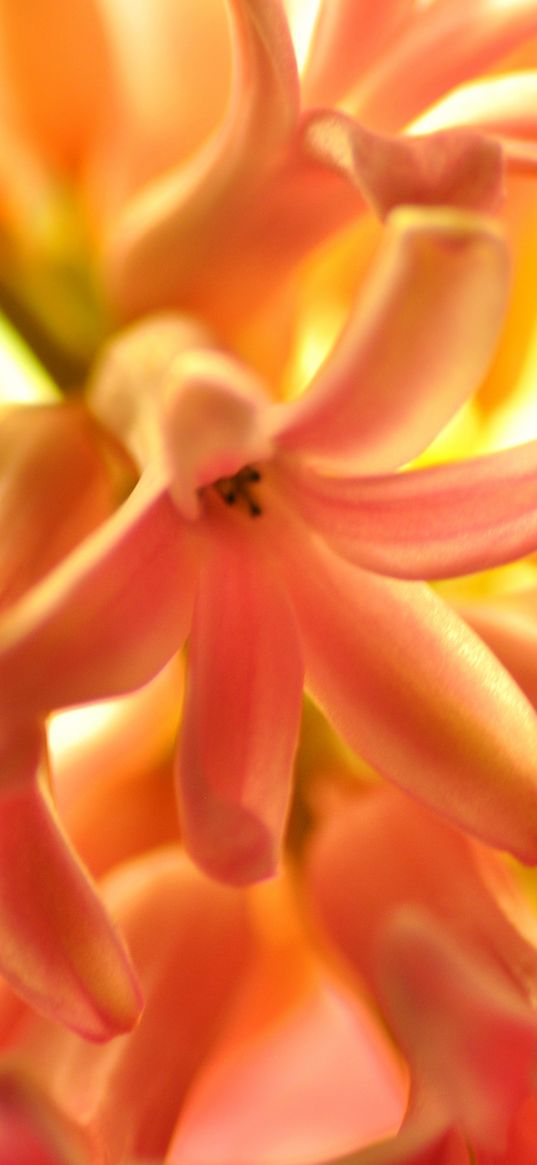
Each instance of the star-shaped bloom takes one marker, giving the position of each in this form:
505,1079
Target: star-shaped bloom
242,536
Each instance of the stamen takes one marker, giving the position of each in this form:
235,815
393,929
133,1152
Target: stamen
236,489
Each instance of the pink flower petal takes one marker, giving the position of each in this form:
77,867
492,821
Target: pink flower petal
107,618
191,942
242,708
430,523
32,1131
301,1072
349,35
42,448
505,106
467,1031
508,624
420,1143
445,44
58,948
389,385
381,851
415,692
193,213
455,167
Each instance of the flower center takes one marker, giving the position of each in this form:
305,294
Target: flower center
237,490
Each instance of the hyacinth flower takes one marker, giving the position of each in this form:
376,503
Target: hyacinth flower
436,927
115,156
240,535
226,218
236,1000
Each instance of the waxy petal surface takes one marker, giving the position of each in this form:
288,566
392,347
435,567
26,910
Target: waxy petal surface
245,678
59,949
444,45
430,523
390,385
416,694
194,213
508,624
108,618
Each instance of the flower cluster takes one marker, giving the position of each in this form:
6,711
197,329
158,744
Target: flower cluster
268,730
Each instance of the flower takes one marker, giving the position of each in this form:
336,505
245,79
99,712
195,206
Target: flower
271,581
438,930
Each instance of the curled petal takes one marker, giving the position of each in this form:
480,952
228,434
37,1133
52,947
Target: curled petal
245,677
389,385
415,692
42,448
451,168
59,949
430,523
195,212
108,618
443,45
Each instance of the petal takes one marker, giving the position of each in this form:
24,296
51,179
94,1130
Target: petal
108,618
379,852
505,106
193,214
416,694
41,449
32,1131
466,1030
58,947
430,523
113,771
293,1023
349,35
445,43
389,386
508,624
57,62
455,167
422,1143
126,1095
171,72
245,677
